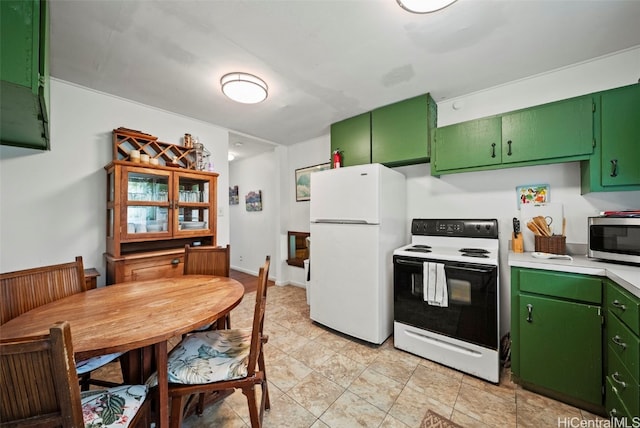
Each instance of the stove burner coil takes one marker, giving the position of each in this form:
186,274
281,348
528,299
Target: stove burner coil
474,250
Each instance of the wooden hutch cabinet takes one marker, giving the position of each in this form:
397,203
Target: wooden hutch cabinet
152,212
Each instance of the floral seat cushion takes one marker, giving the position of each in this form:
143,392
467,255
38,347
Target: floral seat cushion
86,366
113,407
208,357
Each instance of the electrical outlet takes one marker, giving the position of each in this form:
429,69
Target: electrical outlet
240,258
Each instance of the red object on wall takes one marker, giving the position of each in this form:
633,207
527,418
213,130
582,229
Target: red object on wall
337,159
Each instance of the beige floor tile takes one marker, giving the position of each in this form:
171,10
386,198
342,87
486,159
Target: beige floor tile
286,372
391,422
340,369
312,354
397,365
469,422
435,384
316,393
360,352
411,406
286,413
332,340
217,415
351,411
486,407
505,389
376,389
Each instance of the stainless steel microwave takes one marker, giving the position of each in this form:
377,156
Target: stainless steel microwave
615,239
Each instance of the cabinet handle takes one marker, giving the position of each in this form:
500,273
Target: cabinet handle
529,312
509,151
614,167
493,150
175,261
615,377
616,339
619,305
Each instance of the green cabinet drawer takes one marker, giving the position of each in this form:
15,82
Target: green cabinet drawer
560,129
400,132
560,284
468,144
353,138
614,404
624,344
627,386
625,305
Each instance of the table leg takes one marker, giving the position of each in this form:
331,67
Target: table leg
163,384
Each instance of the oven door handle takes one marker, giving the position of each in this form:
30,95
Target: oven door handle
446,266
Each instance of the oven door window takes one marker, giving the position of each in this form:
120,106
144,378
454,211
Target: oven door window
471,314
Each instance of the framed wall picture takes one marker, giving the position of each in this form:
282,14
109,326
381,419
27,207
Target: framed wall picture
234,199
303,180
254,200
533,194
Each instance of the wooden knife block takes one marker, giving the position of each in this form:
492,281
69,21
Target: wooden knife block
517,243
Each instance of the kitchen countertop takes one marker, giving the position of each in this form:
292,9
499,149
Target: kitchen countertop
627,276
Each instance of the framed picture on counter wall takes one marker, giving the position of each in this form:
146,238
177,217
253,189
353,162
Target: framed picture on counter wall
303,180
533,194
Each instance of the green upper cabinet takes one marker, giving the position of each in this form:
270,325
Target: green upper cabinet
393,135
614,165
468,144
24,73
353,138
562,129
400,131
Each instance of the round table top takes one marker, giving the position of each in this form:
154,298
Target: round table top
131,315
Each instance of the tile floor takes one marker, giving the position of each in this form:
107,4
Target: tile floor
318,379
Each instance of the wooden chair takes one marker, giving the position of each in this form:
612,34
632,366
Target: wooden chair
209,260
28,289
40,387
236,360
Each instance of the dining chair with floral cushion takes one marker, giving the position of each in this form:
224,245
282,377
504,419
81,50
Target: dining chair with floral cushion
40,388
212,362
209,260
27,289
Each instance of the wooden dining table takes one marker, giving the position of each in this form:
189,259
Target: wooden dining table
132,316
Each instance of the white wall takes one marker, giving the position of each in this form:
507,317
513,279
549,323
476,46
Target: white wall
253,234
52,205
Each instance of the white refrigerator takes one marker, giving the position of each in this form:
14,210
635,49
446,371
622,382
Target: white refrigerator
357,219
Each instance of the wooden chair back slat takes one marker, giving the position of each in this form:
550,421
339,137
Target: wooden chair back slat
207,260
258,317
39,382
27,289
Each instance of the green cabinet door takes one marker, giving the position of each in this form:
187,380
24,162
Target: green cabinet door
400,132
561,346
620,121
466,145
353,138
24,73
562,129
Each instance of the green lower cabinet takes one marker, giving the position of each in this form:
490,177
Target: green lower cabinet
557,335
622,337
353,138
465,145
561,346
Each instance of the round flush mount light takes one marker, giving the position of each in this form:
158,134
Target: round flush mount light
244,88
231,157
424,6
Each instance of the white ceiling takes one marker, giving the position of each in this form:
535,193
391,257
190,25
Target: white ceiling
324,60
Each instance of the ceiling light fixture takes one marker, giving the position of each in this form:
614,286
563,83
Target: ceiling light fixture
230,157
424,6
244,88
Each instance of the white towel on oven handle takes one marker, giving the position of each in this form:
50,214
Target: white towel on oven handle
434,286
